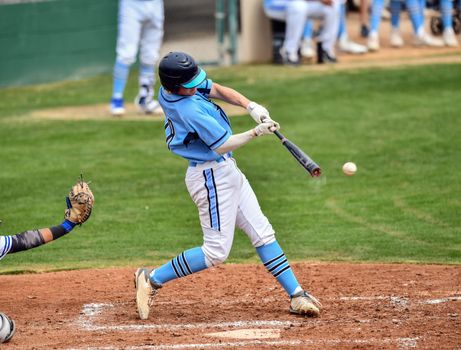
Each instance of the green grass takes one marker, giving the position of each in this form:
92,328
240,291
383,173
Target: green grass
400,126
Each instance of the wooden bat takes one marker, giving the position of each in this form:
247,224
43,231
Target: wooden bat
302,158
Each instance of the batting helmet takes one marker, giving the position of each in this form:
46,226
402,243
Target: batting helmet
178,69
7,328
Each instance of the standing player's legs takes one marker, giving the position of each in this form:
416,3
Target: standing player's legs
377,7
327,39
151,40
307,50
254,223
296,16
344,43
446,9
129,29
395,38
416,13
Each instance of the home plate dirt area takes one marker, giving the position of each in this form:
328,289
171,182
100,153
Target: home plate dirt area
239,306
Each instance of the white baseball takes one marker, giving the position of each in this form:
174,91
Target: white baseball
349,168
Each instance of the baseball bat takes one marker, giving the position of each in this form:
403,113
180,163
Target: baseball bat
302,158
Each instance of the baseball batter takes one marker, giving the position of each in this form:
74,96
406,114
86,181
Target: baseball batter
200,131
79,207
140,25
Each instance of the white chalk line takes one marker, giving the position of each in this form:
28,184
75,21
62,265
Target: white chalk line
401,342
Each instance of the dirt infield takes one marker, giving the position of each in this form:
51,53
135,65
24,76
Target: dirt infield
379,306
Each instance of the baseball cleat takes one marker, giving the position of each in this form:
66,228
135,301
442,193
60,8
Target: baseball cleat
116,106
145,292
305,304
306,49
323,56
449,38
425,39
347,45
147,105
289,58
373,41
395,38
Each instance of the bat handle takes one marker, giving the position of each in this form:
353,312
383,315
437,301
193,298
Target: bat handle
279,135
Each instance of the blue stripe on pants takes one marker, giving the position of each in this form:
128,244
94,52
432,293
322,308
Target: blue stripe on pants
213,205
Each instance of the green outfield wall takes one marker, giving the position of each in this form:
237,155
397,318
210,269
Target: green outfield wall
43,41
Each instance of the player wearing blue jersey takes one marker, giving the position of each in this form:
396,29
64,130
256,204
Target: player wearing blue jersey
199,130
140,25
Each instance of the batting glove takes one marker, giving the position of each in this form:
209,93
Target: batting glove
258,112
266,128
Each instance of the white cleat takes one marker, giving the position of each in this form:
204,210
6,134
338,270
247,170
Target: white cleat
395,38
307,50
424,39
449,38
147,105
305,304
373,41
347,45
145,292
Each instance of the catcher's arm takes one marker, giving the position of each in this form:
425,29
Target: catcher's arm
79,206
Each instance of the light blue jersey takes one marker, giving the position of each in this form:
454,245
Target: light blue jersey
194,125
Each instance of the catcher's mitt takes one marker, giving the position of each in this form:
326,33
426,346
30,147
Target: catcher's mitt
79,203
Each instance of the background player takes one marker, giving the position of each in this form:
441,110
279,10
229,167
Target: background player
199,131
296,14
140,24
79,207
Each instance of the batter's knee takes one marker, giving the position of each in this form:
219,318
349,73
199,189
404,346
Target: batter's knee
215,254
267,238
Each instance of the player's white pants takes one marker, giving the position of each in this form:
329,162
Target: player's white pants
140,25
298,11
225,199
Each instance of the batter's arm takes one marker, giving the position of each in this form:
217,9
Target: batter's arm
228,95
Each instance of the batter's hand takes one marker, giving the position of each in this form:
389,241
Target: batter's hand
327,2
266,128
258,112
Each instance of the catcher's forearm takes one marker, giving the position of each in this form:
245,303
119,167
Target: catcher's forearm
35,238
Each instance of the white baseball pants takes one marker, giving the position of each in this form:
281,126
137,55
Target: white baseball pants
298,11
225,199
140,25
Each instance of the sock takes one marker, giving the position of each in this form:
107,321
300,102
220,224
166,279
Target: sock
446,9
342,20
396,7
146,79
186,263
307,35
376,12
414,13
276,263
121,72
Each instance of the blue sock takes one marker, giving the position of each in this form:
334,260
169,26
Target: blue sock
146,75
376,12
186,263
446,9
68,225
342,20
276,263
121,72
396,7
307,35
414,13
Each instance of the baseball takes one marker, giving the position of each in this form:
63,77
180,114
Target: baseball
349,168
